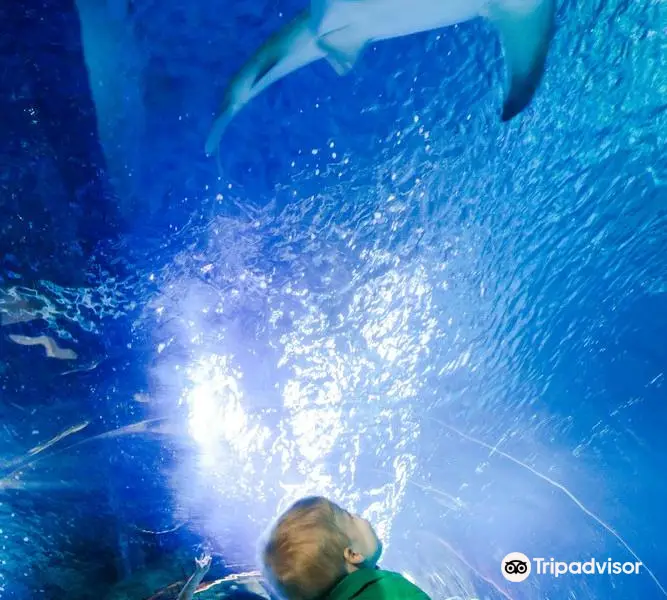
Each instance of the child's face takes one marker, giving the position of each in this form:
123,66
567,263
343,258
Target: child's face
366,548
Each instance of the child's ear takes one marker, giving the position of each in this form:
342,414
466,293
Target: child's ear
353,557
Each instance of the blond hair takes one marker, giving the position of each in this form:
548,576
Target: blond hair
303,556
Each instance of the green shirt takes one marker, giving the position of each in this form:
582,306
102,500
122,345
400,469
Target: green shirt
376,584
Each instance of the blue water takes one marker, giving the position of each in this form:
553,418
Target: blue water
381,294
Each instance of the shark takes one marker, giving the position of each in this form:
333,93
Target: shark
115,63
338,31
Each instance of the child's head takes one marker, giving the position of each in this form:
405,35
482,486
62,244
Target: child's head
313,545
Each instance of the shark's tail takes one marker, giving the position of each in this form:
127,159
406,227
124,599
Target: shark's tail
217,130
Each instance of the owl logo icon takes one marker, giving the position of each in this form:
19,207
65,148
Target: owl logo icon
515,567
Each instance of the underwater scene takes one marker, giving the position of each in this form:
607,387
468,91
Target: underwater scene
333,299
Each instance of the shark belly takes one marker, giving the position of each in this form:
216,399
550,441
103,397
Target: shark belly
381,20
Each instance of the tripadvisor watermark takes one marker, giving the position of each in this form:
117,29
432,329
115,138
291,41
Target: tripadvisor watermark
517,567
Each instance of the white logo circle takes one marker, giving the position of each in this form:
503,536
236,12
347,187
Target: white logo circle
515,567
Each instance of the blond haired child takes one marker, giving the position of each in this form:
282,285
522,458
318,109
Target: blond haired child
316,550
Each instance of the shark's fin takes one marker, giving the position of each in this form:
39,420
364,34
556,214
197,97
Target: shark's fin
342,49
525,33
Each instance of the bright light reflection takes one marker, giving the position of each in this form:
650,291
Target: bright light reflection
217,419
